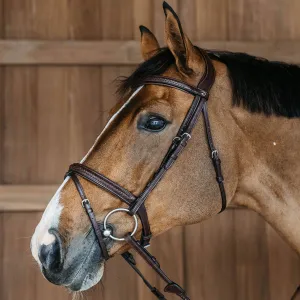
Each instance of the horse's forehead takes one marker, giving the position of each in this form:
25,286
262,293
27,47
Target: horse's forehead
153,91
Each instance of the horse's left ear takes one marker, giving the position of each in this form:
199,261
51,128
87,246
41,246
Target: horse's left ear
186,56
149,43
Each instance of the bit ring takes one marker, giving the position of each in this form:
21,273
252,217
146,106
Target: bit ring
120,210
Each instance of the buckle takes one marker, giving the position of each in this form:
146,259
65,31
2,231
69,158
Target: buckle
85,202
214,154
185,134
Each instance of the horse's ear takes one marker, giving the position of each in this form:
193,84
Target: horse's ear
149,43
185,54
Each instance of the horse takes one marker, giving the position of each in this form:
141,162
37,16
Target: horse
233,107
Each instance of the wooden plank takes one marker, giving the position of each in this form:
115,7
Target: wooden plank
83,87
2,18
25,197
119,280
35,19
251,256
2,123
32,94
125,52
18,265
85,108
159,18
2,22
142,15
29,140
117,19
2,275
209,258
212,19
84,20
53,125
260,20
20,119
187,13
284,267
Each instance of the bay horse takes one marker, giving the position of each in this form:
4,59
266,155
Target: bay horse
250,109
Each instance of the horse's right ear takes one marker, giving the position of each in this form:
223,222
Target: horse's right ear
149,43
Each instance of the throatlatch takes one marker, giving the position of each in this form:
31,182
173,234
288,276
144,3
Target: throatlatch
136,203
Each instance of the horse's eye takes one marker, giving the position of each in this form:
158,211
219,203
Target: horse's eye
154,123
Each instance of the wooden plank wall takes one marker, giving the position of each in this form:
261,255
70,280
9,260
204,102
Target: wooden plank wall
51,114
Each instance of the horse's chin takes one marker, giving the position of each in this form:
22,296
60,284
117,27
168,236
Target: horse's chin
85,280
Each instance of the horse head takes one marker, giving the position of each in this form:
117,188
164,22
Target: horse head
130,150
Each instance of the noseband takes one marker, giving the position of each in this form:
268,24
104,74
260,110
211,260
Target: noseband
136,204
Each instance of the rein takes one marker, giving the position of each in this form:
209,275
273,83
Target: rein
136,204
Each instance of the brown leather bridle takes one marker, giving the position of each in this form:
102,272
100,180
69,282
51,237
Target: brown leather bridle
136,204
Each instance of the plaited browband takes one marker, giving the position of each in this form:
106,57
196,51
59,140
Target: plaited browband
136,203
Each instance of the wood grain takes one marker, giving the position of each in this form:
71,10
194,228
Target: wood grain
85,109
36,19
2,122
142,15
84,82
2,21
210,258
117,19
2,275
17,263
284,267
36,93
251,256
159,18
58,61
84,20
212,19
120,281
53,112
125,52
259,20
188,16
25,197
20,131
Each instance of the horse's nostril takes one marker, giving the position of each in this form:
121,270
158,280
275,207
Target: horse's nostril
50,255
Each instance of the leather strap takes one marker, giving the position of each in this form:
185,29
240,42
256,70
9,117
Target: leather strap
215,158
131,261
86,205
174,83
112,187
171,286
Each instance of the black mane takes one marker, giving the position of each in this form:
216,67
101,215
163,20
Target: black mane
258,85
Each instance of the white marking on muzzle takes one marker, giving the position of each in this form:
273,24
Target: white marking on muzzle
50,219
110,121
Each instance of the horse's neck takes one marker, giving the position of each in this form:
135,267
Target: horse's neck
269,170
